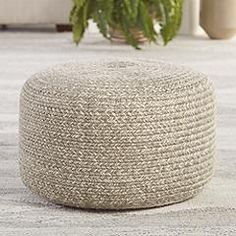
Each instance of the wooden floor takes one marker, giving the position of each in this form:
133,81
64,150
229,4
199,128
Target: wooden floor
213,212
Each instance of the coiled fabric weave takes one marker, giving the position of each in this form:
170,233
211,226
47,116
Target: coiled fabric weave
117,135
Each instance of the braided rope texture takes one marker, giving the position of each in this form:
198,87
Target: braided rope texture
119,134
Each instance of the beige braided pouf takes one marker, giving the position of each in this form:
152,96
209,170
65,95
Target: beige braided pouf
117,135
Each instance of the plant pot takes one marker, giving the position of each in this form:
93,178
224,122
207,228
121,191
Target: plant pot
218,18
118,36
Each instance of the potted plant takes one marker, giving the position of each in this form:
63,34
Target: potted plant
132,21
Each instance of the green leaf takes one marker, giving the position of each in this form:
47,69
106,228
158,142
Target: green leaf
79,19
145,22
171,18
132,7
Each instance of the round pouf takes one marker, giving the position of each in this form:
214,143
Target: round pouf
117,135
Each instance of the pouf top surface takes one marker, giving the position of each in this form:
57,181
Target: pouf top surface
117,78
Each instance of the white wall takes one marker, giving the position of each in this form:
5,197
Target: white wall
190,21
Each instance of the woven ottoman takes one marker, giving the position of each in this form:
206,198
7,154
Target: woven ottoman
117,135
